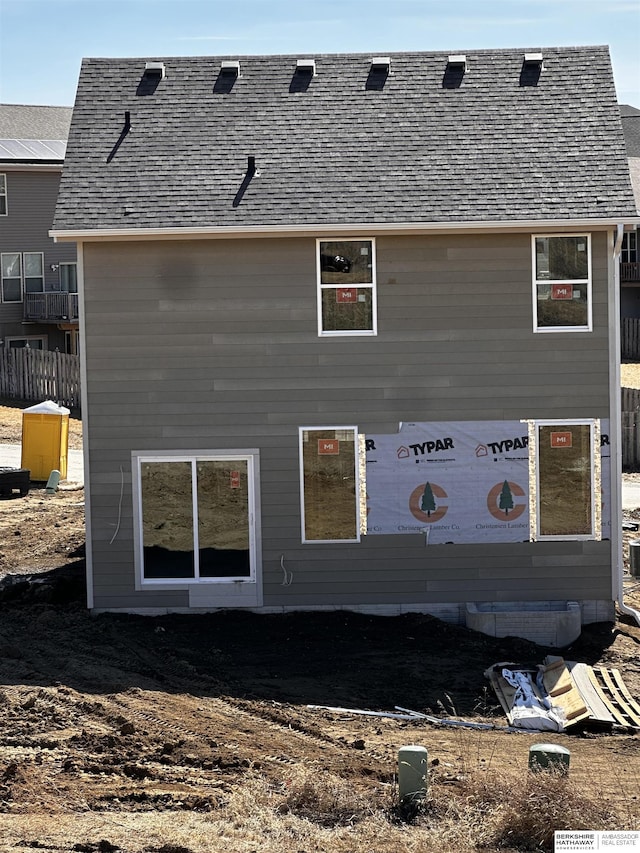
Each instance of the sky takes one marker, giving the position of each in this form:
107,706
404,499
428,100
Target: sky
42,42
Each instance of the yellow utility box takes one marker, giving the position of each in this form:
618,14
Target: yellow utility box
45,440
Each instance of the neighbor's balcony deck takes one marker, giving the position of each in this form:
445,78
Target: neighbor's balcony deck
51,307
630,272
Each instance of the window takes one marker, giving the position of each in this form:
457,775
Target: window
32,342
567,480
196,518
629,252
12,277
33,272
3,195
346,287
562,283
21,273
330,484
68,272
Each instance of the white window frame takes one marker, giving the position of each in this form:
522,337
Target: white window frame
357,483
26,338
536,281
629,247
223,591
24,272
372,285
11,278
23,276
3,195
67,265
595,474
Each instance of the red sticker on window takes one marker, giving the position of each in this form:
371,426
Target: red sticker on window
561,439
234,479
346,294
328,447
561,291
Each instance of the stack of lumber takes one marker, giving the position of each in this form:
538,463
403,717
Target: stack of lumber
585,695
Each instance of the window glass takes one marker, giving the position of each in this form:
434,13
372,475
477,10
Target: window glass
562,283
329,484
167,519
223,520
33,272
3,195
12,277
347,309
346,262
565,474
22,343
629,254
68,277
196,519
346,274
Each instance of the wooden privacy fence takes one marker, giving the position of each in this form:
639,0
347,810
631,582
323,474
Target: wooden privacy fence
630,338
31,374
630,429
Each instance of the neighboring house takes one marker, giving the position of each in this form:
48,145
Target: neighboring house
629,256
38,288
293,264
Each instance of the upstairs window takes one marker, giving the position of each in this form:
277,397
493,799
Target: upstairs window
21,273
346,287
33,272
68,272
3,195
629,253
562,283
12,277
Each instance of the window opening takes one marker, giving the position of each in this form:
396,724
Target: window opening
565,479
346,287
562,283
330,472
196,518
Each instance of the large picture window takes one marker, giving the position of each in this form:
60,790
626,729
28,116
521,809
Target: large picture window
329,482
346,287
196,518
562,283
567,480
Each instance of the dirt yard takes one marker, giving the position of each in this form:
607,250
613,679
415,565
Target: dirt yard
186,734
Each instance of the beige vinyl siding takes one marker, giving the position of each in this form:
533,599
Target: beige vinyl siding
212,344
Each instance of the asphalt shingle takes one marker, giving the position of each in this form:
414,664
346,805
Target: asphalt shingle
345,146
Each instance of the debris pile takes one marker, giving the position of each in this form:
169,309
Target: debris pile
560,694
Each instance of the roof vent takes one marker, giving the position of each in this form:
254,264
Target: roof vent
457,62
381,64
533,60
155,69
230,67
306,66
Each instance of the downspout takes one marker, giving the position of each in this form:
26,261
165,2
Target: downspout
615,405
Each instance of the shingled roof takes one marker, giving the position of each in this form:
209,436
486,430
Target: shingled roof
427,142
33,135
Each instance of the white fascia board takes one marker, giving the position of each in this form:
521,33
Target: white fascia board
336,229
30,167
